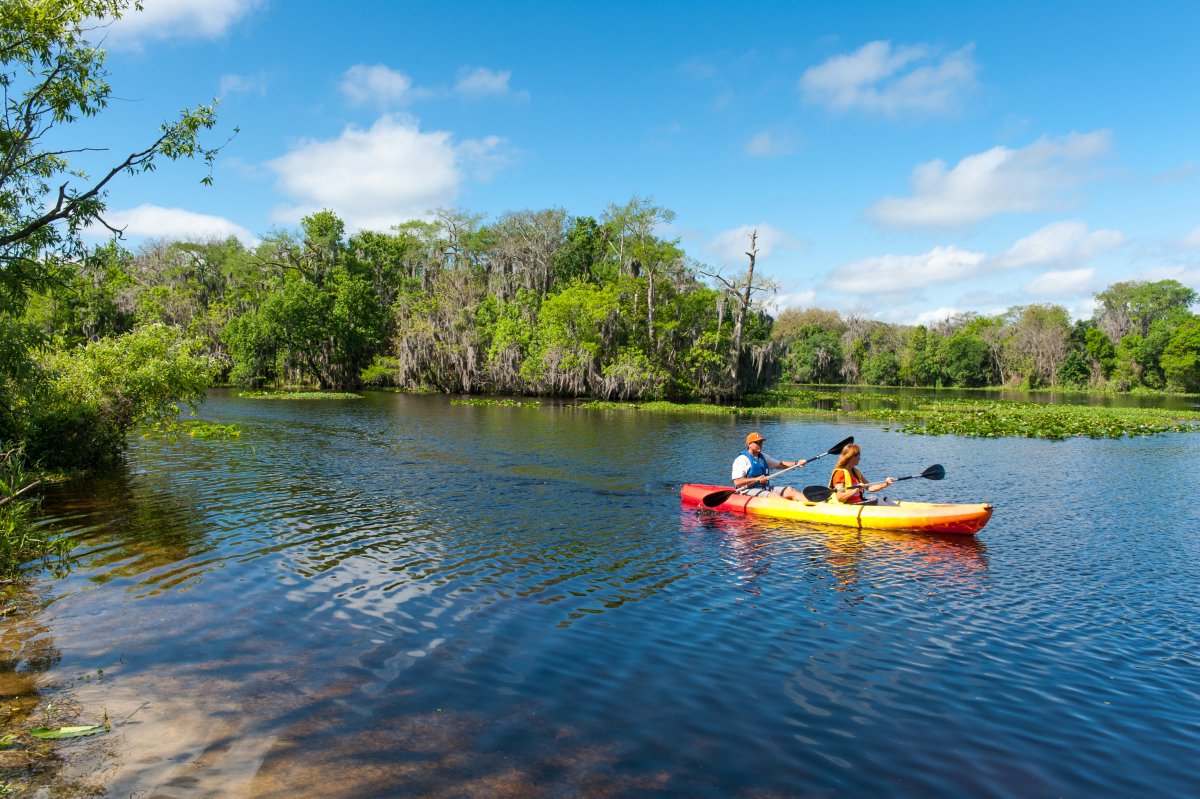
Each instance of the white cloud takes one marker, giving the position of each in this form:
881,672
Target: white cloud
1060,244
1187,275
1083,308
477,83
999,180
242,84
730,246
1192,240
697,67
768,144
183,19
901,274
1184,171
935,316
377,177
1064,283
153,221
792,299
379,85
891,80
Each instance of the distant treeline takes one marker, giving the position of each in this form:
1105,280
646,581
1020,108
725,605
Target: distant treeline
1141,335
536,303
551,304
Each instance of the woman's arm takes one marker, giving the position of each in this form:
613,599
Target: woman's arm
882,484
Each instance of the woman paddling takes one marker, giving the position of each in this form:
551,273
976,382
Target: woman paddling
849,482
751,471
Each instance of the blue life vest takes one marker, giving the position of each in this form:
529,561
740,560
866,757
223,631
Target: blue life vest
758,467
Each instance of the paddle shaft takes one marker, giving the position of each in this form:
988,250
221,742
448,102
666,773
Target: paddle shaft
806,462
718,497
788,469
822,493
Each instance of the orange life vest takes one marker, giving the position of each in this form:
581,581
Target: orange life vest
847,478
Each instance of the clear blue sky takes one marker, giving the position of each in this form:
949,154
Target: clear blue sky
906,160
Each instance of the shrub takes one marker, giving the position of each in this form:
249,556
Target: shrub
94,395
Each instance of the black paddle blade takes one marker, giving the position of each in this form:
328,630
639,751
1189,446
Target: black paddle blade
837,448
717,497
934,472
817,493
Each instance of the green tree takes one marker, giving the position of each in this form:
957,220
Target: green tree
575,328
52,77
94,302
323,323
1133,306
581,253
1101,353
1181,357
814,356
921,362
881,368
1074,370
966,360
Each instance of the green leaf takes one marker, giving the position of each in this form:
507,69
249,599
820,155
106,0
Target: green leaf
68,732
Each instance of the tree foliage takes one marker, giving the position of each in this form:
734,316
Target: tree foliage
53,78
95,394
76,370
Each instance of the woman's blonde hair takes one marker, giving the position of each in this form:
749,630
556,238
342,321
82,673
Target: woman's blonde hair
849,452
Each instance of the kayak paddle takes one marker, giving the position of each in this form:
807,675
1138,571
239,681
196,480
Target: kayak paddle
822,493
718,497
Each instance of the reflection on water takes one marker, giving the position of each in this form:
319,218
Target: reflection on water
837,554
397,596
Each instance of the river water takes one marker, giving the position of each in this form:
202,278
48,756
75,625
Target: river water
396,596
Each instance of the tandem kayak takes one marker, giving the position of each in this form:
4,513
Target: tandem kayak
920,517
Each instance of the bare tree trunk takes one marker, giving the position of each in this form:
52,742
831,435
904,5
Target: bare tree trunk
650,309
743,305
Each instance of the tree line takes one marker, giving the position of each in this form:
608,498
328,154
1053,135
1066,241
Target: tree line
539,302
1142,335
542,302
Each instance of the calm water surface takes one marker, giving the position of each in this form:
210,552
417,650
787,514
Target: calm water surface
399,597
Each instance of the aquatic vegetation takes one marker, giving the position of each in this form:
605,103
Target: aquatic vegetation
300,395
76,731
991,419
174,429
22,542
503,403
975,418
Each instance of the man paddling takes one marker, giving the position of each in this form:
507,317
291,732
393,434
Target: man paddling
751,471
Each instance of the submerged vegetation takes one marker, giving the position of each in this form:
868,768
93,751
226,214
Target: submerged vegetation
20,540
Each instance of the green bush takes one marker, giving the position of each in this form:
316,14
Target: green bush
95,394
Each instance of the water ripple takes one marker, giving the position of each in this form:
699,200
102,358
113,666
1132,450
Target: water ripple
526,588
